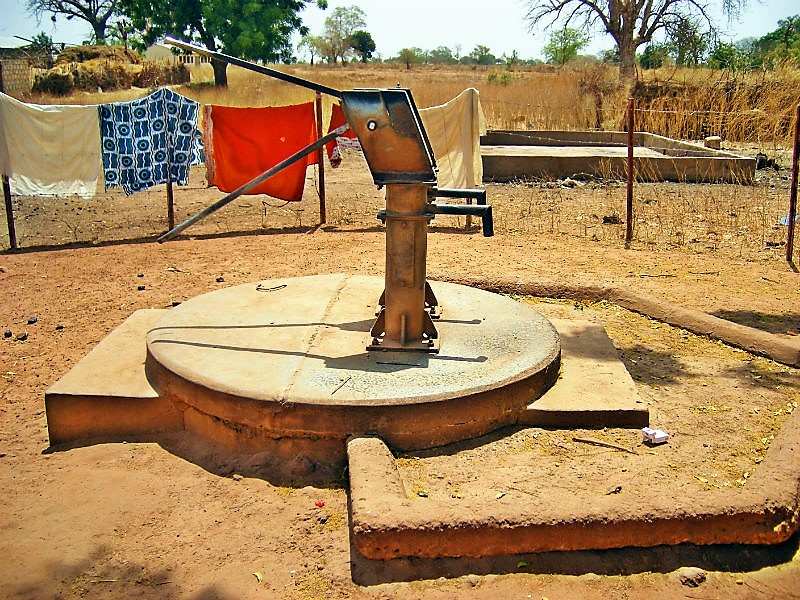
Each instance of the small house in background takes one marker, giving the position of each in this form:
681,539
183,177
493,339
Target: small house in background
163,53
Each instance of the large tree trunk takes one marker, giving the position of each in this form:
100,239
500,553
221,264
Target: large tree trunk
99,32
220,72
627,62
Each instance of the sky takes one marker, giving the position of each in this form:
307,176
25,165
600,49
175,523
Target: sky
427,24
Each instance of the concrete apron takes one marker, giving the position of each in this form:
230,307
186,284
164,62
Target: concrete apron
280,367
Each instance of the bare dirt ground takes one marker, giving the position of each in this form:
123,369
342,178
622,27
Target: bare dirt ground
140,519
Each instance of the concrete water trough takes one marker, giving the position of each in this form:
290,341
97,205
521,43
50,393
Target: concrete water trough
512,155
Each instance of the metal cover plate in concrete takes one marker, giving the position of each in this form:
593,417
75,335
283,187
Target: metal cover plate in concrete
303,339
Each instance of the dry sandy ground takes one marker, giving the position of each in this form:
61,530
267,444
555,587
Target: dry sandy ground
149,519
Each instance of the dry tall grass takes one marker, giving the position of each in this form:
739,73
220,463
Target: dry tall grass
686,103
693,103
681,103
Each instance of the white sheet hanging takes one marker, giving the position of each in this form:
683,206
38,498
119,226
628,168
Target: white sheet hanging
454,130
49,150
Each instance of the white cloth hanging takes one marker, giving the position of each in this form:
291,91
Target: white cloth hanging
49,150
454,130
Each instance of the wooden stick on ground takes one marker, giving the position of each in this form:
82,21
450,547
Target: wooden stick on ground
596,442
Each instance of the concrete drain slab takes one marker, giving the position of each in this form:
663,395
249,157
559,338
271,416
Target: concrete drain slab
280,366
389,523
594,388
107,394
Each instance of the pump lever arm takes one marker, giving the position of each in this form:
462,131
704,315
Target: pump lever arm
232,60
484,211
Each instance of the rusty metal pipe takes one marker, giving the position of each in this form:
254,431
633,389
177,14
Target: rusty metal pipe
406,324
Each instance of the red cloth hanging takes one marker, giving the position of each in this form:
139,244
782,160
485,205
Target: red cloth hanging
242,143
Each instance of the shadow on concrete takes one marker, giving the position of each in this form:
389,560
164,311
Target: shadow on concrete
771,323
223,462
735,558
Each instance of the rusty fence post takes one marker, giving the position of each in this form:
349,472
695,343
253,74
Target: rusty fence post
629,191
12,232
321,156
793,190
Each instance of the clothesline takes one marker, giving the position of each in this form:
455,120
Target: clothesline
154,140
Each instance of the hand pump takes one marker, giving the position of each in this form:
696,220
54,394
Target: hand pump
400,157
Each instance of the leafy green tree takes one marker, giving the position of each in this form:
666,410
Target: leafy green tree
654,56
631,23
441,55
97,13
122,33
245,28
511,61
361,41
482,56
726,55
609,56
782,43
343,22
408,57
564,45
310,44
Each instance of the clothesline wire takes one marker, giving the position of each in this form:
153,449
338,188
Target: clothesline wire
746,113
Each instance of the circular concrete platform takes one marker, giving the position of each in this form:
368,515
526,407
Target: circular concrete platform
281,366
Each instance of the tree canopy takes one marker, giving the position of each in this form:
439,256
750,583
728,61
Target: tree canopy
687,46
336,42
564,45
362,43
250,30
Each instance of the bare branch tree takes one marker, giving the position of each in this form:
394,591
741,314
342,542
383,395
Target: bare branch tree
97,13
630,23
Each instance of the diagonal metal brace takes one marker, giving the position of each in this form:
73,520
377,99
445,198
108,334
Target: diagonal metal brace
243,189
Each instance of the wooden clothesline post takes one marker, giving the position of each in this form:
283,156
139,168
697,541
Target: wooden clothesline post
793,191
12,232
321,160
170,204
170,199
629,190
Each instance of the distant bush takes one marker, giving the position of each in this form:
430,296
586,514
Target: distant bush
155,74
80,54
503,78
107,76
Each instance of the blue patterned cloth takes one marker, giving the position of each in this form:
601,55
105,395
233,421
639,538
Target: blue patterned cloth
148,141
